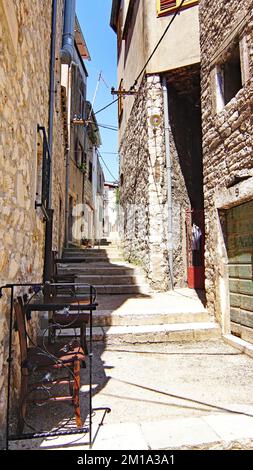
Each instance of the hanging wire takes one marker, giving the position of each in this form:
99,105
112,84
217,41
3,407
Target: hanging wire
150,57
115,179
158,44
107,106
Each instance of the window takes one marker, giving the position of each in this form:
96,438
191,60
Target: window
80,156
81,106
90,172
165,7
228,77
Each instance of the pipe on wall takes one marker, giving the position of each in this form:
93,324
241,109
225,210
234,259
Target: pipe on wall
49,222
68,39
169,178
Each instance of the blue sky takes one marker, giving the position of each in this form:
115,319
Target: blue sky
94,18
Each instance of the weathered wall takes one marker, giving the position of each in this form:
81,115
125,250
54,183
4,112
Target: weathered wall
143,194
59,144
24,96
227,134
179,48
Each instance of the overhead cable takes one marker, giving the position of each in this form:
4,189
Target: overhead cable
158,44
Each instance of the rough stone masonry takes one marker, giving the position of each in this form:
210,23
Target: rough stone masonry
25,38
227,130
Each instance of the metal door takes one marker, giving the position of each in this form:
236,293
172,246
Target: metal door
240,251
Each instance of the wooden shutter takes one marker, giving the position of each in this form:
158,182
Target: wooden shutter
165,4
168,6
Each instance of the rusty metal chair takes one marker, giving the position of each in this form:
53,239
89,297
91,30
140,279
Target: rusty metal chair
71,306
51,360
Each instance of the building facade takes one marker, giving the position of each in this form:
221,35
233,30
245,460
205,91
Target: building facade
90,225
227,67
41,47
161,191
76,82
111,211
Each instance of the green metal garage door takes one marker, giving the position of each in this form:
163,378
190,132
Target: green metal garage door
240,256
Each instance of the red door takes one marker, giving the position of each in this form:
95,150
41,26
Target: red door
195,229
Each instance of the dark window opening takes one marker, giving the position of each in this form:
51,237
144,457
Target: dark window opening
90,172
232,76
79,154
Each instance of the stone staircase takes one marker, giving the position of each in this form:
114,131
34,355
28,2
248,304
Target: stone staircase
128,311
105,269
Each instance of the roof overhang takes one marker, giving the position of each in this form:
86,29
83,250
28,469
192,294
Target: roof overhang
80,41
115,14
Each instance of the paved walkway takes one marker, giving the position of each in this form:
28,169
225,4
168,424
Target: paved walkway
164,396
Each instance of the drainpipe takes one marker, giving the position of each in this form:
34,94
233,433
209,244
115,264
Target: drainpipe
68,160
67,57
169,178
67,51
49,222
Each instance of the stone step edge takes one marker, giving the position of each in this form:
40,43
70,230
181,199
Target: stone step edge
238,343
101,314
97,286
111,276
155,333
139,441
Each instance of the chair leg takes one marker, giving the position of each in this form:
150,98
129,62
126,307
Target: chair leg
76,389
83,338
22,406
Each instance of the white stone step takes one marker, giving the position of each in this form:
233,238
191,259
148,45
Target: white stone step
122,289
157,333
91,259
135,318
107,279
196,331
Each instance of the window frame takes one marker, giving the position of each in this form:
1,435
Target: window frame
163,12
219,100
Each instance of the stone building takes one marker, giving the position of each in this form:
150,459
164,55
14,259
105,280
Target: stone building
76,84
92,179
98,197
161,191
37,47
227,70
111,211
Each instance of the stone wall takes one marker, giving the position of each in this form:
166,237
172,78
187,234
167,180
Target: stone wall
143,194
143,188
25,37
59,145
227,133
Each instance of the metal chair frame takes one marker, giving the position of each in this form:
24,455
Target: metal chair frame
47,306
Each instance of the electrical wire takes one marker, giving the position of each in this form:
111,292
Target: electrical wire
108,128
115,179
108,125
150,57
158,44
95,94
107,106
110,153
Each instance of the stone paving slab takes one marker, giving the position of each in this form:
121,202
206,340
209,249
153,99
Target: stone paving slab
175,434
195,395
216,430
231,427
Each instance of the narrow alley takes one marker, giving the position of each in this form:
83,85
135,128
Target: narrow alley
126,234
